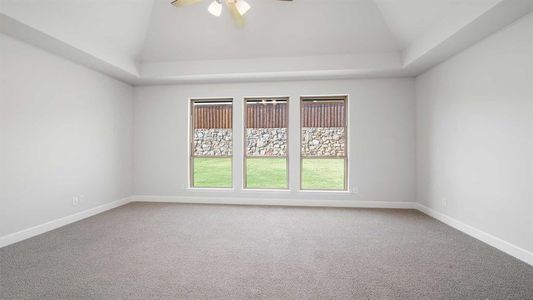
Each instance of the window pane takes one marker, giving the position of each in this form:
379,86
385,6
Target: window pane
212,172
212,143
266,143
323,174
266,173
323,143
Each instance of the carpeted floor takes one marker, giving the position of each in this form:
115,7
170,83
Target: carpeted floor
170,251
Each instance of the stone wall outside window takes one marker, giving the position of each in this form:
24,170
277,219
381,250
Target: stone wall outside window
213,142
323,141
316,141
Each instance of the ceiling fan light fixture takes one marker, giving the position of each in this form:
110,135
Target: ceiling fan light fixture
242,6
215,8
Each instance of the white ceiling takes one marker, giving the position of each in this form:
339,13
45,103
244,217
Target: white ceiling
154,30
274,28
137,35
409,20
112,28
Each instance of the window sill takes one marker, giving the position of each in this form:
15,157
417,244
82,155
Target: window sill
326,191
265,190
209,189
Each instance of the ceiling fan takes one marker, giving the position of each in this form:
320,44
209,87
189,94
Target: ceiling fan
237,8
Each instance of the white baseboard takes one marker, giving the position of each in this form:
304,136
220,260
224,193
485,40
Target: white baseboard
496,242
51,225
511,249
273,202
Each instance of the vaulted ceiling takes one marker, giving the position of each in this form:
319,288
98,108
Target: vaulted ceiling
274,28
147,41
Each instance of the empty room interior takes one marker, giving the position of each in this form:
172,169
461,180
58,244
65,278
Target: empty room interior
266,149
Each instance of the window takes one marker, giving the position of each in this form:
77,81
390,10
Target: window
211,143
323,141
265,153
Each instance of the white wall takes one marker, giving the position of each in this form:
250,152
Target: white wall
475,135
381,141
64,130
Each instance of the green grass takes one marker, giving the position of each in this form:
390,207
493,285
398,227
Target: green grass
323,174
212,172
320,174
266,173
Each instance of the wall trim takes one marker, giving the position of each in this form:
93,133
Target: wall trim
60,222
272,201
504,246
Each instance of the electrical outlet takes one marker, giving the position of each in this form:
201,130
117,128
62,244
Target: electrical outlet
355,189
75,200
444,202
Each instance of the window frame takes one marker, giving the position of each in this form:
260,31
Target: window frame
346,133
245,152
192,101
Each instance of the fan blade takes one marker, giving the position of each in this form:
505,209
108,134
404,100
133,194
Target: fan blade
179,3
235,14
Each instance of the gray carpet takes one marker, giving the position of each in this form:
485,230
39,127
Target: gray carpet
170,251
